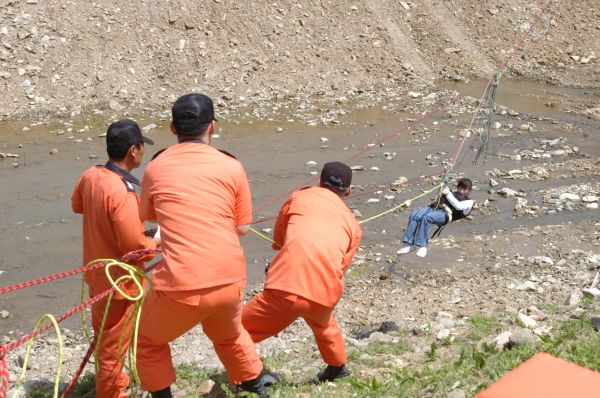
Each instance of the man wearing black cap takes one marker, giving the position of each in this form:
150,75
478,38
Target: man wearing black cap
201,199
317,236
112,227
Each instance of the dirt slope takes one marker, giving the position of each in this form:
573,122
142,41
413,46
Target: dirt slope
62,57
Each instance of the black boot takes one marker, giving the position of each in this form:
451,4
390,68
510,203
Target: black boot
164,393
260,384
333,372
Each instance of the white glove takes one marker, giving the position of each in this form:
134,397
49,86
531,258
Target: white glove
446,191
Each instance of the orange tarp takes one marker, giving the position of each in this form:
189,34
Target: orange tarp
544,376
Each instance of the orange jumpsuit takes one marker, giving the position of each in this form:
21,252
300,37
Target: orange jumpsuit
198,195
318,236
111,228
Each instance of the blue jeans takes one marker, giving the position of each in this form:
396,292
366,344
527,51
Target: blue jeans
419,225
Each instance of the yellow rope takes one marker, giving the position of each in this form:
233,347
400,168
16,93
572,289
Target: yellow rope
265,237
28,350
405,203
136,275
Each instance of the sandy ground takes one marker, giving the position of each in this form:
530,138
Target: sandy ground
73,58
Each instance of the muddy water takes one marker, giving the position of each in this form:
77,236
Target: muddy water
40,235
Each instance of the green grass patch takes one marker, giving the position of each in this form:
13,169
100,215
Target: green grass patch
481,326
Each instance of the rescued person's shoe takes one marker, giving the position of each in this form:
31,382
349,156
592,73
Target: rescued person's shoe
333,372
422,252
405,249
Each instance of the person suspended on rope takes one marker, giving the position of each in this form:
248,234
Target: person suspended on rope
201,199
112,227
316,235
452,206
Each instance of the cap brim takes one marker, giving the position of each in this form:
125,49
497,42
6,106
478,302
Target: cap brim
147,140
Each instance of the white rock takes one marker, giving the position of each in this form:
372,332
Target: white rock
527,286
373,200
445,320
205,387
279,129
527,321
590,198
357,168
535,313
543,330
400,181
413,94
324,140
443,333
151,126
592,292
573,300
592,206
497,125
311,163
569,196
507,192
502,340
389,197
375,168
543,260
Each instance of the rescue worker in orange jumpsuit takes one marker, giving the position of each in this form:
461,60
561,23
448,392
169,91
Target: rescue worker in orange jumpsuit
112,227
201,199
316,235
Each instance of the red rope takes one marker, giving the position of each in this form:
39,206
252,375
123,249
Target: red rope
3,372
126,258
17,343
86,358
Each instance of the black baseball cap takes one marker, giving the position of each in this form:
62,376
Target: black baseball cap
336,175
124,133
191,113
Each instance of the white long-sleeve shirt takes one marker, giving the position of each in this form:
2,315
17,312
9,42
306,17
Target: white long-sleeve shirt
465,205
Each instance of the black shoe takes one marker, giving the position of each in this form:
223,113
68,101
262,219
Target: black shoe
256,386
164,393
333,372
